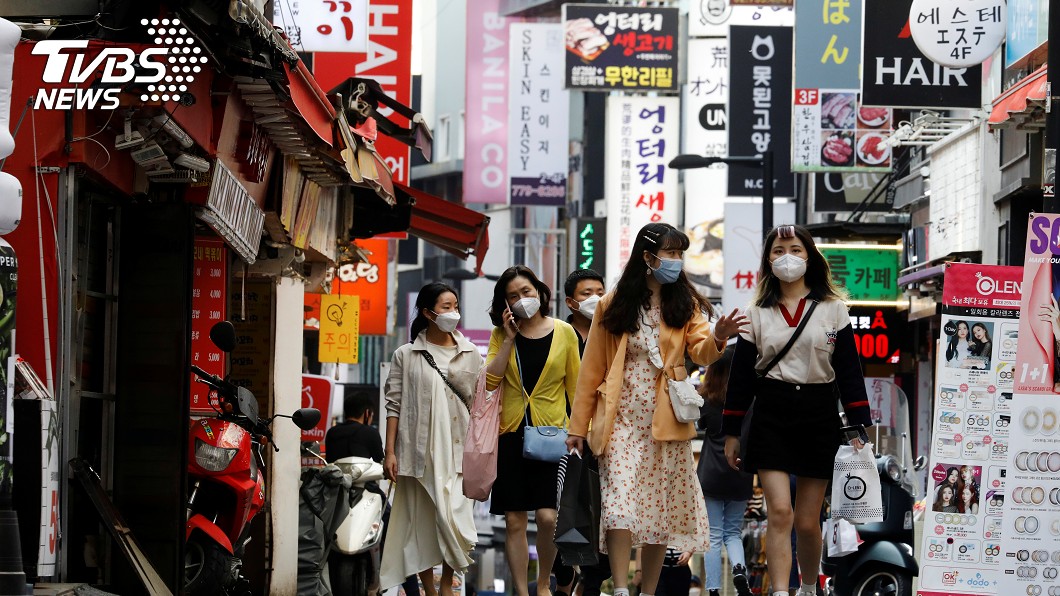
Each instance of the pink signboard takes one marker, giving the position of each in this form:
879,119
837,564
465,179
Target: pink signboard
486,109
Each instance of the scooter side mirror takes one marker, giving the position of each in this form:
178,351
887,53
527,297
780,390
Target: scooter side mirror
920,463
306,418
223,335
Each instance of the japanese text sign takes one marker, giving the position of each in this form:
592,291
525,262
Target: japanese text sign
827,44
339,329
641,138
895,73
620,47
1028,23
538,115
209,297
958,32
760,79
833,132
388,60
869,273
324,25
712,18
486,104
368,281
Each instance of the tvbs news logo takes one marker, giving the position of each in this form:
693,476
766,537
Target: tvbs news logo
159,74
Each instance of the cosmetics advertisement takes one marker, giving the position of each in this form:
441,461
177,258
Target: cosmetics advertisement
959,553
1030,546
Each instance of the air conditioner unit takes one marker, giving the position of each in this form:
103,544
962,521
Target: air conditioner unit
160,169
192,162
181,176
174,130
149,153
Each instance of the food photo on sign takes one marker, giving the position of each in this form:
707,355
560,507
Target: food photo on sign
620,47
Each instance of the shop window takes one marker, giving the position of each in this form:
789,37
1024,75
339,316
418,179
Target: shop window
95,296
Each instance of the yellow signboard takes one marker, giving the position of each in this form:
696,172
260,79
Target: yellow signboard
340,322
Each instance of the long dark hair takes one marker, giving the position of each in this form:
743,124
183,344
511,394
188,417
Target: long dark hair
500,291
818,273
680,300
716,379
427,298
951,347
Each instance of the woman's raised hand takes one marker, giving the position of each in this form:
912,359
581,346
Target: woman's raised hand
511,329
731,324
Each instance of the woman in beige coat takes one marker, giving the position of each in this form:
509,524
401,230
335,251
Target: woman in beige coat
640,334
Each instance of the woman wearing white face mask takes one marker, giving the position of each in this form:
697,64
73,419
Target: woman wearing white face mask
795,429
428,390
535,358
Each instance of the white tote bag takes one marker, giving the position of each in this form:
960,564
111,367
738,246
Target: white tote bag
841,537
856,491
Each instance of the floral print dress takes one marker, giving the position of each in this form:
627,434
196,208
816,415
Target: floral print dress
649,487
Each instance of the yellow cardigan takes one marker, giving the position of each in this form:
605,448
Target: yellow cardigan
602,375
548,402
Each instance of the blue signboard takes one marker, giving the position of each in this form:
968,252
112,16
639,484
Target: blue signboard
1028,28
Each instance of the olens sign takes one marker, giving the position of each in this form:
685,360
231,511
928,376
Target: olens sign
89,76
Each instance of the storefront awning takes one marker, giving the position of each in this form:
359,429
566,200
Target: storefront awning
1023,105
364,98
311,101
449,226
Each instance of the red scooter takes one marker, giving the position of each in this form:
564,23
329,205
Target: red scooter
225,465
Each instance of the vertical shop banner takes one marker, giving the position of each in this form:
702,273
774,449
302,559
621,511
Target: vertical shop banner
251,305
712,18
742,249
961,552
831,131
486,108
704,99
640,139
760,75
324,25
623,48
339,329
539,115
388,60
895,73
368,281
209,301
1032,510
8,287
316,393
590,244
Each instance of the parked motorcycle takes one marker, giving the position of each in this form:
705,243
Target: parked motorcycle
225,464
884,562
354,560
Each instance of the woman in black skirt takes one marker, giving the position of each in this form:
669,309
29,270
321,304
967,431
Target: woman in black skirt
535,358
795,429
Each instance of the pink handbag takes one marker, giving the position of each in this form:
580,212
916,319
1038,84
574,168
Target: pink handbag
480,445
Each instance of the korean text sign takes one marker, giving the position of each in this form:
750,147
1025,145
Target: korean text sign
1031,509
895,73
208,307
538,116
955,33
869,273
641,138
590,244
324,25
339,334
712,18
968,477
760,79
368,281
620,47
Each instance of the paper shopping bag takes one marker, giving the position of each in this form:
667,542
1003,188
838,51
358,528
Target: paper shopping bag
578,524
856,491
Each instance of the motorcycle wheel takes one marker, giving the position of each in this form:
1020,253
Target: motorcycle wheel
206,567
349,575
883,581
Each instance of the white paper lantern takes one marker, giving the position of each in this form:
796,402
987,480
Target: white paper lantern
10,202
9,36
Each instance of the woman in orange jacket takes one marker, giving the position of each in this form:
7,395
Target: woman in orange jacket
639,337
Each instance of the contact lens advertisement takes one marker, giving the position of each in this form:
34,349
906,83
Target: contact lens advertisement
1030,548
970,439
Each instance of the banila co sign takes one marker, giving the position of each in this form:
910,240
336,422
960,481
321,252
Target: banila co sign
161,73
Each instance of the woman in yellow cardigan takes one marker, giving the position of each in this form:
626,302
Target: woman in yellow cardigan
535,357
650,494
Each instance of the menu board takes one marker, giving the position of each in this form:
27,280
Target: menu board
208,297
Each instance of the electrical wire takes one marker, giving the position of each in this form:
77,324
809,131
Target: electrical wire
38,181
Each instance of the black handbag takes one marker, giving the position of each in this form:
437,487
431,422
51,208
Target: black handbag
578,523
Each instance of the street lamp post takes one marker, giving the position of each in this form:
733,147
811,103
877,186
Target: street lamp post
689,161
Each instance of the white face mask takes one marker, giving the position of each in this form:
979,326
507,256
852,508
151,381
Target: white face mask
526,307
587,307
447,321
789,267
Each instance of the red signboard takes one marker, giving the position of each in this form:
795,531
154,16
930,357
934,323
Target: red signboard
368,281
983,286
316,393
389,61
209,297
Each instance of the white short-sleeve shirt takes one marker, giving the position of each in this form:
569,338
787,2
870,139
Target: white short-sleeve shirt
810,358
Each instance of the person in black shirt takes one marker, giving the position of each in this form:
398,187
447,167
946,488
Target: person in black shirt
355,437
583,288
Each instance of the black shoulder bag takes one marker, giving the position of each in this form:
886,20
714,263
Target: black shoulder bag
794,336
430,360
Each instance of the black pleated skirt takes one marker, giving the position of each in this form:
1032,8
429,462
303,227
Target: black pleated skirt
522,484
795,428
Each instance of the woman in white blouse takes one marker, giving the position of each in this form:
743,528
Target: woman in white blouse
795,429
